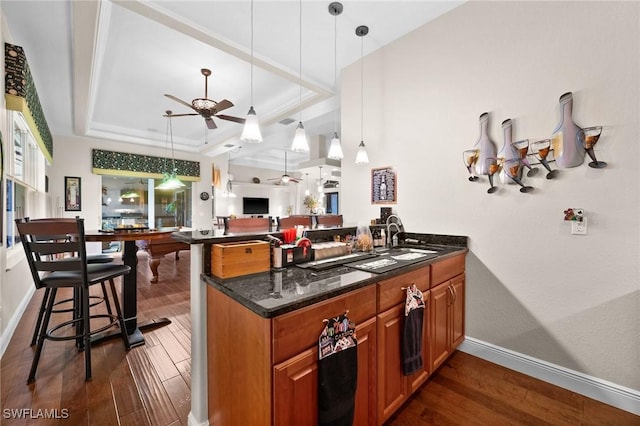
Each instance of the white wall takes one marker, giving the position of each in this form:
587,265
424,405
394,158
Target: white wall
280,196
532,287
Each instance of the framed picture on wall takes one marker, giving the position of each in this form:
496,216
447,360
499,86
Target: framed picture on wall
384,186
72,201
1,188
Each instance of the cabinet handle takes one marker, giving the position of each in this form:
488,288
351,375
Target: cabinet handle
450,302
455,293
405,288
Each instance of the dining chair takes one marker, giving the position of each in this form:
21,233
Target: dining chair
328,220
247,224
294,220
57,263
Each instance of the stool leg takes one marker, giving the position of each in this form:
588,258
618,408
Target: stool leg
105,296
43,308
123,329
86,331
41,335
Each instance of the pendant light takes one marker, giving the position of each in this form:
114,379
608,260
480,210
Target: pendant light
170,179
320,186
307,192
300,143
361,155
335,148
251,132
228,193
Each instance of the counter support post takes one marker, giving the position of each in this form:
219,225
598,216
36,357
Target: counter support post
199,415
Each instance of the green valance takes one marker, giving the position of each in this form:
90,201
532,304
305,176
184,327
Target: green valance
20,95
145,166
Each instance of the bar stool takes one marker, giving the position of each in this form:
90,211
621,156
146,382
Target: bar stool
62,263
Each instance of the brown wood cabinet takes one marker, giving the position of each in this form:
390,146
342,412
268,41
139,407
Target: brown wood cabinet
265,370
296,383
393,386
447,309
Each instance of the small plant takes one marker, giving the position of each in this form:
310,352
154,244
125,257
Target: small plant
310,202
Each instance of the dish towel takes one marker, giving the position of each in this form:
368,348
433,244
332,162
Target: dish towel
337,372
412,331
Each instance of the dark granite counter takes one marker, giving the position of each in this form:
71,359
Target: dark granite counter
277,292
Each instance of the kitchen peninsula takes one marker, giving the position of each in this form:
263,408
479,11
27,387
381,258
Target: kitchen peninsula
259,332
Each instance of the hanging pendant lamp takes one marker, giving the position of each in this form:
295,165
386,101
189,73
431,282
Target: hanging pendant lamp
335,148
170,179
300,143
251,132
361,155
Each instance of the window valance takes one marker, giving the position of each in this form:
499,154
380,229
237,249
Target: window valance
146,166
21,95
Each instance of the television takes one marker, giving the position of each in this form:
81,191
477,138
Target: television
253,205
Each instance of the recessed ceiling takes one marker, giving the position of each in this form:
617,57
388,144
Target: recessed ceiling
102,68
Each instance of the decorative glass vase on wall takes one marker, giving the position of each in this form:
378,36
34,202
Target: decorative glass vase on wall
507,152
486,146
567,151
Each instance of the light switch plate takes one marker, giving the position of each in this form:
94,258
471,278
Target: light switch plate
579,228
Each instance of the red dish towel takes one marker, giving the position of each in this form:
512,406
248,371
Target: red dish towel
412,331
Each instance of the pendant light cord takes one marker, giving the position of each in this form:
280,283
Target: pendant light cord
300,66
362,88
251,52
335,69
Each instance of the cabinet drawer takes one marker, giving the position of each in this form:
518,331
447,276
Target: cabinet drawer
446,269
390,291
299,330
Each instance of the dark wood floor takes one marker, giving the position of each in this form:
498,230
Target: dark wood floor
150,385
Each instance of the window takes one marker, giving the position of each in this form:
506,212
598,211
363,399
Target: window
25,178
134,201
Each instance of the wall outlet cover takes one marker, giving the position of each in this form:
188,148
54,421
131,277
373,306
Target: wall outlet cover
579,227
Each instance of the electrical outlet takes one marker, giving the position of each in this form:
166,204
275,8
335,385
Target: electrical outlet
579,228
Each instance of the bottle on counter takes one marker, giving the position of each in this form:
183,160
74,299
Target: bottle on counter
383,237
567,150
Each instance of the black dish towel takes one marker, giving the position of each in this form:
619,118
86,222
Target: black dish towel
337,373
412,331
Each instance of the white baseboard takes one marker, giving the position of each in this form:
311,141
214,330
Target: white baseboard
601,390
7,334
191,421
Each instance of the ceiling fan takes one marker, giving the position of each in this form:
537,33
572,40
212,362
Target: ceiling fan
206,107
285,178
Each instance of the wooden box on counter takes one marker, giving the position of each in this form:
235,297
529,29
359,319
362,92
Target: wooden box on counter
230,260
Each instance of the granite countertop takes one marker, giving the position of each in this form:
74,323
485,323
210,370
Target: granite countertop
274,293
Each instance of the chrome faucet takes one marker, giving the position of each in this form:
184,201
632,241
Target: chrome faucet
393,221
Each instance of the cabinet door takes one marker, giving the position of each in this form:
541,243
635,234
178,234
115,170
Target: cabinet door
419,377
440,299
457,314
392,384
296,390
296,383
365,413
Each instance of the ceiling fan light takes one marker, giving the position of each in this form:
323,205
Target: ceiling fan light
251,132
286,178
361,155
203,104
300,143
335,148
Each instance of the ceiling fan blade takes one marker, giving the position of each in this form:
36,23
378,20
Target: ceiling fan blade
275,178
296,180
179,100
180,115
231,118
210,123
223,104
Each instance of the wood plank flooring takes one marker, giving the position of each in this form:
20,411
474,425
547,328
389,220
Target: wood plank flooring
150,384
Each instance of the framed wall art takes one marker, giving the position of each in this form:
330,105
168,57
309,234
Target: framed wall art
384,186
72,199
